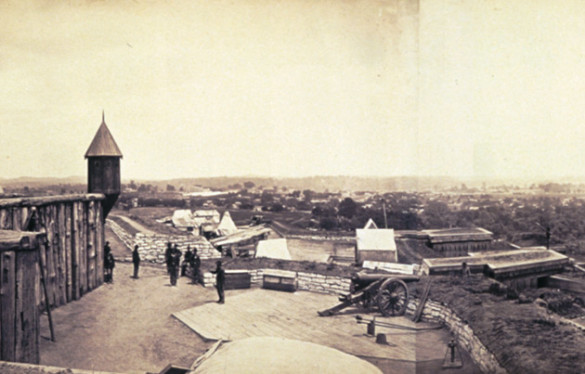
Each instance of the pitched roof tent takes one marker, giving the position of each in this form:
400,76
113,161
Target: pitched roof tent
103,143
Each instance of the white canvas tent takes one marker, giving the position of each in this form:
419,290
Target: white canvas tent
227,225
375,245
273,248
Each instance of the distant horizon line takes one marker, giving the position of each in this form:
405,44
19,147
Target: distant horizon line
460,177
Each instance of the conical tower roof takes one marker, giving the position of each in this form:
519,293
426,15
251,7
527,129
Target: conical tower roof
103,143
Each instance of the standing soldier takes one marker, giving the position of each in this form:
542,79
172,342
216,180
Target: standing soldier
195,267
109,264
186,261
174,265
219,281
168,256
136,260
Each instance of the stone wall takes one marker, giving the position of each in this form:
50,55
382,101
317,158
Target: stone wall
152,247
436,313
305,281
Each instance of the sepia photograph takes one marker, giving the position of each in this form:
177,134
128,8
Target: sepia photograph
292,186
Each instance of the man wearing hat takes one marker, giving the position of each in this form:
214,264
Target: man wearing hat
219,280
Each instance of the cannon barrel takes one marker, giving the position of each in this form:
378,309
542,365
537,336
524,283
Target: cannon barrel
363,279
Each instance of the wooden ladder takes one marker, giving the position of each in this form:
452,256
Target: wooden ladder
423,300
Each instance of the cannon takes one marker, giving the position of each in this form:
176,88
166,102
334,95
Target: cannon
388,292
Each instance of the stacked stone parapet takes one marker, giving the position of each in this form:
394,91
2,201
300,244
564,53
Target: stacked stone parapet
436,313
304,281
152,247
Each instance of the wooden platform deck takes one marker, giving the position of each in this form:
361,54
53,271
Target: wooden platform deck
259,312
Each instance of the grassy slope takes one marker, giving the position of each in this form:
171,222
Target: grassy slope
523,337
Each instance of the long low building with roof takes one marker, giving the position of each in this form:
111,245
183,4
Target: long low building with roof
521,268
459,241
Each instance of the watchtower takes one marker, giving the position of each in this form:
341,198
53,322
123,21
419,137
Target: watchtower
103,167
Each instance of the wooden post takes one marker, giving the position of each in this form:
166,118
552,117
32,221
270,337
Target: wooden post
74,252
61,220
83,249
8,301
3,219
27,339
91,258
99,247
68,254
47,306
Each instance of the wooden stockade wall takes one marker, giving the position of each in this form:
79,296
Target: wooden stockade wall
20,287
73,251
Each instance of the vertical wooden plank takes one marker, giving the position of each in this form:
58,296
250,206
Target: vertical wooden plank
22,218
13,215
20,272
61,224
91,245
68,260
82,247
51,265
55,253
36,313
75,251
41,212
1,307
8,305
3,218
26,346
41,298
99,246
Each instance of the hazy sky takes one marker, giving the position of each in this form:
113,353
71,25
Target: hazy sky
295,87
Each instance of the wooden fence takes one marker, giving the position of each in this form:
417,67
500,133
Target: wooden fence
20,287
72,253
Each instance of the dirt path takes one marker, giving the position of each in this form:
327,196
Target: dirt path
126,326
137,225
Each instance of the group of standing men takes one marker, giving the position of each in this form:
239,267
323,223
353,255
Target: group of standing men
173,261
191,260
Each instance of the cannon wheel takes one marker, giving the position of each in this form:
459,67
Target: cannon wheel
392,297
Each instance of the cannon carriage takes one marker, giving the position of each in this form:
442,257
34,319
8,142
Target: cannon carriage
389,293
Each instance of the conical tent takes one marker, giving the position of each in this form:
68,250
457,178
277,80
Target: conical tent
370,224
227,225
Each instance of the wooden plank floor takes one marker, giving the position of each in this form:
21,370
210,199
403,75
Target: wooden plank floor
258,312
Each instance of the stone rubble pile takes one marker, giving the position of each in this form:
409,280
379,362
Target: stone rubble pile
152,247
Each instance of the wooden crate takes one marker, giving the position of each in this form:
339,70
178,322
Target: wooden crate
237,279
280,281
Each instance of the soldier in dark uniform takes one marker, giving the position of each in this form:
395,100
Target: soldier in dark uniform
195,267
136,260
175,261
186,261
219,281
109,264
168,257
